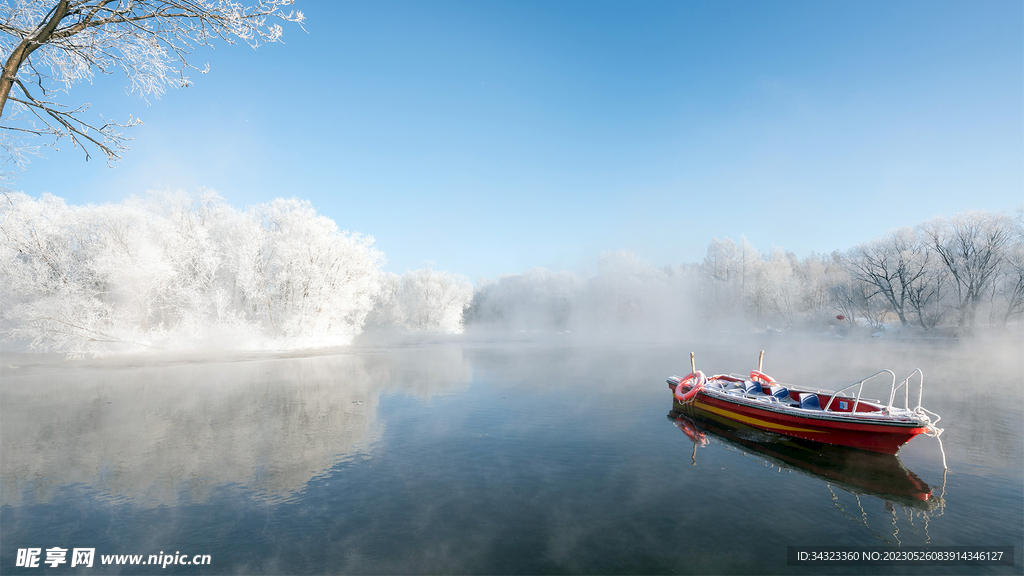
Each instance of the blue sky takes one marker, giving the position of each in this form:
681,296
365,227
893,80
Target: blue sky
492,137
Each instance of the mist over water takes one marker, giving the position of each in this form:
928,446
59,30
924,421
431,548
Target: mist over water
533,457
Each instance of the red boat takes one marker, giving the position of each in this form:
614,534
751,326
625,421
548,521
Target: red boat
811,414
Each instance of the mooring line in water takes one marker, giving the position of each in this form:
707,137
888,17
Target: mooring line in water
943,451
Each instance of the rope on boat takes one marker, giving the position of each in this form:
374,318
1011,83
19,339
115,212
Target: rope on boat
932,430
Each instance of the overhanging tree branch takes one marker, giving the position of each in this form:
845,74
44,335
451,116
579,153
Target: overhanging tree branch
53,46
26,47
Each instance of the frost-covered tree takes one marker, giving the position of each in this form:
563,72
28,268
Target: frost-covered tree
52,295
1011,285
971,246
896,265
318,281
172,271
848,294
817,275
51,45
422,301
1008,288
737,282
927,294
729,275
778,287
719,272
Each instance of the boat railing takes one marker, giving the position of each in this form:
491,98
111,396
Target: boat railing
906,390
827,392
861,389
930,418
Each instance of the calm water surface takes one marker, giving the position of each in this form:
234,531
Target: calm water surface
488,459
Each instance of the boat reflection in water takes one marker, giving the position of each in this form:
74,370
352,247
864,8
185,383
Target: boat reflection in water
859,472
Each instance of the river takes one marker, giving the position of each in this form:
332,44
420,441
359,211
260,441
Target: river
484,458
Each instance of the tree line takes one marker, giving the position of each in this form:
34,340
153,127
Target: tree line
175,271
947,275
952,274
179,271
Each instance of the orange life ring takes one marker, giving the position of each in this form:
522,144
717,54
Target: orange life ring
695,381
762,378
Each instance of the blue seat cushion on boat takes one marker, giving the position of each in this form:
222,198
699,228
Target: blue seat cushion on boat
752,387
715,384
809,400
780,392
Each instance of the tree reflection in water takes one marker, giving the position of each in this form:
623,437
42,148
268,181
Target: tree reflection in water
169,434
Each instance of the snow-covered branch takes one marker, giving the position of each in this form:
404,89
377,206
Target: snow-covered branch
49,47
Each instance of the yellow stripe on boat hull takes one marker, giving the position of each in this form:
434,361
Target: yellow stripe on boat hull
756,421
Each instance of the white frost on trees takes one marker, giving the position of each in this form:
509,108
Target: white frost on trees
319,282
942,271
972,246
898,267
422,301
52,295
172,271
